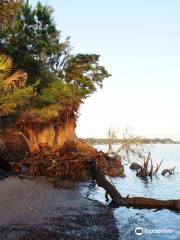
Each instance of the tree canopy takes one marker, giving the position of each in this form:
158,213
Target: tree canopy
8,10
55,78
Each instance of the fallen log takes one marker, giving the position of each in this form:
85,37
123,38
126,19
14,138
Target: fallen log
141,202
136,202
102,182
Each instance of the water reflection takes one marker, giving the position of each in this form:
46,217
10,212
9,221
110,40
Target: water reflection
159,187
92,188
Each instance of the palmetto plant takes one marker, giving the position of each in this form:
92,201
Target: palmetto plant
14,92
5,66
8,78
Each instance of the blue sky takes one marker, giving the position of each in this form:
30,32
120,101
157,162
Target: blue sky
139,43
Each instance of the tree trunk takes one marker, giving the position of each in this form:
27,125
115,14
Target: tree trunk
102,182
137,202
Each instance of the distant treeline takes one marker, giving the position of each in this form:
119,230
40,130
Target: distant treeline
144,141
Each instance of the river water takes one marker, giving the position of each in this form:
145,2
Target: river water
161,224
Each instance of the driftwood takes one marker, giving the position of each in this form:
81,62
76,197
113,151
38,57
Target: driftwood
137,202
102,182
147,169
135,166
168,171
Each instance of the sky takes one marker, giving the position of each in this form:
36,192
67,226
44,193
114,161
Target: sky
139,44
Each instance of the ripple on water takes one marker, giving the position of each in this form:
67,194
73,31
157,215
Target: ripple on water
159,187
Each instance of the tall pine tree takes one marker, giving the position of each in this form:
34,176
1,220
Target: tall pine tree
58,79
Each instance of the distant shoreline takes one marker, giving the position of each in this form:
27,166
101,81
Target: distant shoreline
142,143
104,141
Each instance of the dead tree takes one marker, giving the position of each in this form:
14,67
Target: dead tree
147,169
102,182
136,202
131,147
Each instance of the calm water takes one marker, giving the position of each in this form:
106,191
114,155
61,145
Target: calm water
160,187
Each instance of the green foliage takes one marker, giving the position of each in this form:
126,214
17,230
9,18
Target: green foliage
16,100
5,66
56,92
84,72
8,12
15,94
55,77
34,43
43,114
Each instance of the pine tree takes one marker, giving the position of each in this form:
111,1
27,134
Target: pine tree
56,78
8,12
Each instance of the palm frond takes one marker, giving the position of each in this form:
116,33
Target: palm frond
5,65
17,79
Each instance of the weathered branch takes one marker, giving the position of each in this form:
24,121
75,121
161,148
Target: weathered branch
102,182
137,202
168,171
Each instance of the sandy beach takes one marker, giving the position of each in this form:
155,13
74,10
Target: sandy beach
34,209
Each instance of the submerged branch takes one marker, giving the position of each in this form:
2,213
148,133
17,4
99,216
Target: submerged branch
137,202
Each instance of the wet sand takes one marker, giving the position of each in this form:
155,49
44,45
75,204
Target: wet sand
33,210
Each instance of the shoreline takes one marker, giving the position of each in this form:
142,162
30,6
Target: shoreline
34,209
